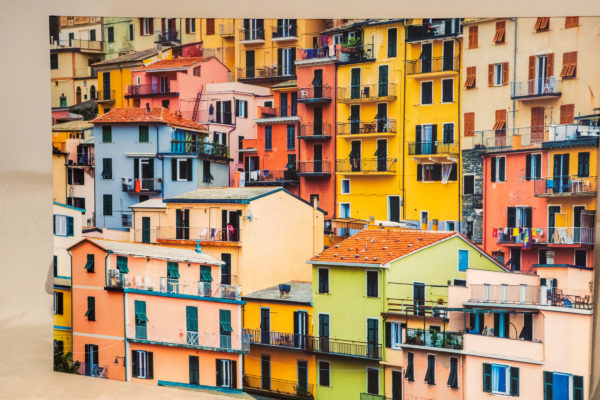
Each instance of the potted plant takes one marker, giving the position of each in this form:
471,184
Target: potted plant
351,46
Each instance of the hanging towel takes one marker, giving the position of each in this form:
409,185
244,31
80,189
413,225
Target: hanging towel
515,232
533,232
138,185
526,240
495,232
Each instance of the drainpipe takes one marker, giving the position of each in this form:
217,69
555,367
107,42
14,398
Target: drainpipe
595,334
162,165
71,258
514,73
459,164
106,267
334,162
126,343
403,126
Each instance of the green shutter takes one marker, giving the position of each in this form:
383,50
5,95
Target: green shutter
577,387
140,312
107,204
191,318
143,134
548,385
106,134
514,381
91,310
172,270
122,264
70,228
225,320
89,266
487,377
205,274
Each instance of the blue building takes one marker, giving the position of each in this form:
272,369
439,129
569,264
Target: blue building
147,153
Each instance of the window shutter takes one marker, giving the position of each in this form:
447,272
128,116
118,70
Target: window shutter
141,20
70,229
150,364
245,104
418,134
469,124
54,224
487,377
187,25
280,62
437,172
434,134
505,73
514,381
502,174
419,172
493,169
473,37
538,166
59,303
453,173
548,385
189,169
173,169
134,363
490,74
136,168
388,334
549,65
511,217
567,113
151,26
528,167
233,373
219,373
531,68
577,383
162,25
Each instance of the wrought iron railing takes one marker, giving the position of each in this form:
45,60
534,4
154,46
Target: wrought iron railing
278,339
269,175
95,370
549,86
139,185
429,148
201,233
315,167
565,185
436,64
279,386
273,112
357,53
247,35
545,235
105,95
531,295
149,89
199,147
372,92
285,31
308,130
170,35
315,92
436,29
379,125
366,165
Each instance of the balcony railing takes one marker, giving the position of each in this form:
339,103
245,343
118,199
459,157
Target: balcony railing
107,96
82,160
436,29
539,87
221,117
278,339
200,148
348,348
308,131
82,44
427,308
315,53
282,32
269,176
364,93
227,30
359,53
278,386
557,133
250,35
531,295
269,72
314,167
315,94
202,233
279,112
366,165
432,148
168,36
429,65
551,235
433,338
565,186
148,89
378,126
506,138
95,370
141,185
370,396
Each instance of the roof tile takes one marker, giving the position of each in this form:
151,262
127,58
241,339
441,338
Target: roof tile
140,115
174,63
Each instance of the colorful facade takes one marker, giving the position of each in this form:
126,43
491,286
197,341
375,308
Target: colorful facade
278,324
218,39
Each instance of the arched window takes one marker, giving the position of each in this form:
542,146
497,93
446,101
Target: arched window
78,95
92,92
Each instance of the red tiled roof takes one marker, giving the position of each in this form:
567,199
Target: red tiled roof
380,246
137,115
174,63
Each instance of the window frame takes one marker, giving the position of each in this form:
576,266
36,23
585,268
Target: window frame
444,132
498,75
328,372
145,131
53,61
507,373
421,93
342,186
319,280
458,266
378,380
396,333
444,91
60,217
367,273
575,257
465,186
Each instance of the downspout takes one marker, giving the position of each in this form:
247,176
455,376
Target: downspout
334,162
126,343
106,267
162,165
459,165
403,126
514,73
595,326
71,258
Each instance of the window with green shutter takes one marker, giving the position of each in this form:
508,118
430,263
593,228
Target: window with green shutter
107,204
205,274
392,42
577,387
55,264
122,264
107,168
143,134
89,265
107,134
514,381
91,309
70,227
141,320
225,328
172,277
548,385
487,377
191,316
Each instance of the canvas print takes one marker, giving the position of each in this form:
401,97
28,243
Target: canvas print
371,209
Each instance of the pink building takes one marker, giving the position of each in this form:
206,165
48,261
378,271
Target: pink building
176,84
155,314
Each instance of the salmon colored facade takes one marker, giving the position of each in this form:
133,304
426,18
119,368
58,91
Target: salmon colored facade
159,316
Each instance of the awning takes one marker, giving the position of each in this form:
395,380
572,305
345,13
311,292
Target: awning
90,265
122,266
173,271
349,223
141,316
226,326
205,276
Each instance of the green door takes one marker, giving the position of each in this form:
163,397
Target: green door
145,229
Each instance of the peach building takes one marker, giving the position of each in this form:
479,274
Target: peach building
155,314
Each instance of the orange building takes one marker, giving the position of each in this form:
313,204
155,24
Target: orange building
155,314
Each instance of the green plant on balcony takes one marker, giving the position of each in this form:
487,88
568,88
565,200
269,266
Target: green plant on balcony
434,336
302,391
351,46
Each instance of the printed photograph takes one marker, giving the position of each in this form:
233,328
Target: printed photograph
330,209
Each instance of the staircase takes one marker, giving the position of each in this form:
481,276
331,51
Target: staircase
197,104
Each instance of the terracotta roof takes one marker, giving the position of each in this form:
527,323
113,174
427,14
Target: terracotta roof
130,57
173,64
70,126
139,115
380,246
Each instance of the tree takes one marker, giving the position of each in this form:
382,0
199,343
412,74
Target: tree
63,362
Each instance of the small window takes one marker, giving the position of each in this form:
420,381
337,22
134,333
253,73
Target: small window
63,225
396,335
497,74
324,374
196,70
372,380
55,265
107,134
542,24
130,32
91,309
463,260
447,90
583,164
142,364
409,373
430,374
268,138
500,32
448,133
473,37
107,168
498,173
468,184
89,265
460,282
54,61
314,198
291,137
533,166
571,22
580,257
345,186
372,283
471,77
323,280
210,26
206,175
241,107
58,303
500,379
107,205
569,69
143,134
453,377
426,93
392,42
111,34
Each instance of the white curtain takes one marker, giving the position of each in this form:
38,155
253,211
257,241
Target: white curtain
446,169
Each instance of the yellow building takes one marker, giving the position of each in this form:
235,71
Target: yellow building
369,118
71,77
278,322
150,32
218,39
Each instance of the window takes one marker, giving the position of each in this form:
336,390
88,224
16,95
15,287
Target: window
210,26
500,124
91,309
395,334
285,62
226,269
323,280
55,265
498,74
463,260
345,186
142,365
429,172
459,282
569,68
471,77
372,380
78,202
426,93
63,225
469,124
571,22
106,134
241,108
59,347
581,258
515,259
409,373
122,264
372,283
75,176
498,165
225,328
58,303
146,26
89,265
291,137
567,113
394,206
473,37
533,166
448,133
518,217
141,320
53,61
111,34
583,164
107,205
542,24
268,137
468,184
430,374
447,90
143,134
392,42
453,377
107,168
194,370
500,32
562,386
190,25
226,373
500,379
314,199
324,374
181,169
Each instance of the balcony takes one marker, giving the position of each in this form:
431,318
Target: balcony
437,29
366,93
421,308
350,54
269,177
433,338
217,117
168,37
375,128
283,33
278,339
549,236
535,89
202,233
505,347
227,30
315,131
252,36
105,97
370,396
572,134
94,370
267,74
82,44
270,115
348,348
519,295
150,89
83,160
565,186
314,168
366,166
429,67
508,138
282,388
437,148
316,54
205,150
315,94
141,185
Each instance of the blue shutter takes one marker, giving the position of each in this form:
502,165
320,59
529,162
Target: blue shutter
70,229
463,260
